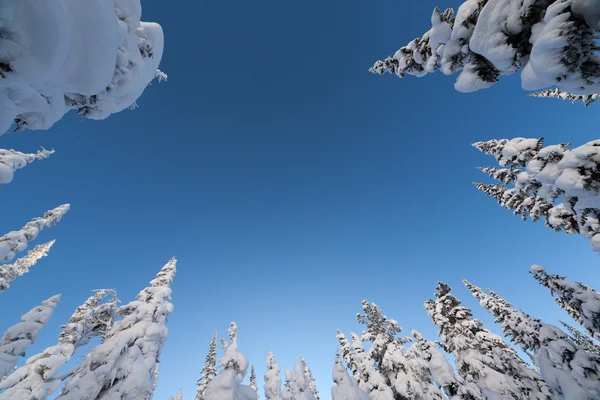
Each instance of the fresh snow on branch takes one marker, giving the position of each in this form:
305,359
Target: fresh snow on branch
552,43
209,370
12,160
559,94
16,241
346,386
20,336
272,385
95,57
179,396
557,184
124,365
9,272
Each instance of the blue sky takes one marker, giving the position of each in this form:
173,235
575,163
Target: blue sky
290,183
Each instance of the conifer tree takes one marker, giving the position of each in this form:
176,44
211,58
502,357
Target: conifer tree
272,380
559,94
253,380
287,393
209,371
581,302
346,386
37,378
179,396
301,385
123,365
369,379
10,272
19,337
566,368
550,42
347,354
12,160
581,339
311,379
16,241
481,357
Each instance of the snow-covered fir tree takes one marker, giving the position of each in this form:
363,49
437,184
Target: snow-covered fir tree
19,337
369,379
37,378
272,385
209,370
557,184
551,42
287,393
16,241
301,384
481,357
253,380
347,354
227,385
346,386
568,369
581,302
586,99
178,396
9,272
123,365
581,338
12,160
312,384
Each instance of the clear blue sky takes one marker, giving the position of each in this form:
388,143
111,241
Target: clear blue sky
290,183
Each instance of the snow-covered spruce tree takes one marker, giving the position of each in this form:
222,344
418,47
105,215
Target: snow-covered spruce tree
347,353
123,365
346,386
481,357
37,378
16,241
551,42
559,94
272,380
581,339
582,304
227,385
287,392
555,183
425,356
20,336
178,396
12,160
369,379
311,379
209,370
253,380
568,369
10,272
41,66
301,387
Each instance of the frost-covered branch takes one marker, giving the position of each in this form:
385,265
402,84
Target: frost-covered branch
16,241
559,94
9,272
552,43
47,72
553,183
12,160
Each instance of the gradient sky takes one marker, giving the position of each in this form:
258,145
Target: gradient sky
290,184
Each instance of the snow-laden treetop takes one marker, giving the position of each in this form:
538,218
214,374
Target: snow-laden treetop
93,56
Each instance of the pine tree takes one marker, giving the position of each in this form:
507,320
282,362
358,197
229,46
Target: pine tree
10,272
581,302
347,354
123,365
287,393
488,39
559,94
12,160
16,241
481,357
581,339
209,371
227,384
272,380
311,379
253,380
179,396
347,387
20,336
37,378
301,385
566,368
369,379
